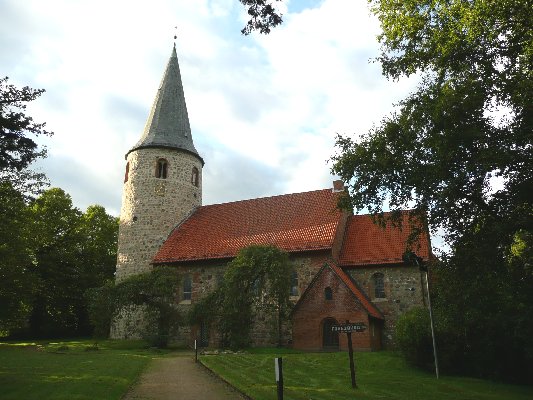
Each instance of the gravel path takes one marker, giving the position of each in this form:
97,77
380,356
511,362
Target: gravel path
180,378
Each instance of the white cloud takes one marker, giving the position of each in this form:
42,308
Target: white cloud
264,109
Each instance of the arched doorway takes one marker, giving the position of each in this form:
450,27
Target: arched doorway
330,339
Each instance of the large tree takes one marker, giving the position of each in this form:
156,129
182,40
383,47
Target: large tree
18,131
469,121
459,150
17,283
72,252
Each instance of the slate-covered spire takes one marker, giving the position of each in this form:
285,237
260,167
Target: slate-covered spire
168,123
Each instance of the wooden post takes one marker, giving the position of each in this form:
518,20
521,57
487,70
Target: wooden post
350,354
278,363
195,351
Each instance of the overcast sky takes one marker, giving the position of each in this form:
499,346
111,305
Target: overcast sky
264,110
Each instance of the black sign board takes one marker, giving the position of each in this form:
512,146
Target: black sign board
350,327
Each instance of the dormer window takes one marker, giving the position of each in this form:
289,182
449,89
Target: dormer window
195,178
161,169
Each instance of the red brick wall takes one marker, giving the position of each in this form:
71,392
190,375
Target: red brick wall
308,317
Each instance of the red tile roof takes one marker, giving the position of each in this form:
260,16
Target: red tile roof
368,243
293,222
365,301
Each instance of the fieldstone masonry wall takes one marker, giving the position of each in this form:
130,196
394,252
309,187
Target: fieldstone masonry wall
208,275
404,289
151,208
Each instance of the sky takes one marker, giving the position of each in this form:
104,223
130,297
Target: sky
264,109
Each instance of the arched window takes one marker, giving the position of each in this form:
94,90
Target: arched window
294,284
195,177
126,175
187,288
161,169
379,286
328,293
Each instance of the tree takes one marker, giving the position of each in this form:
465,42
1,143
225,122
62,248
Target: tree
17,148
470,120
263,16
98,245
153,293
256,282
17,283
56,239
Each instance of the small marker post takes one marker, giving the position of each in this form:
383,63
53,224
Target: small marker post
278,364
195,351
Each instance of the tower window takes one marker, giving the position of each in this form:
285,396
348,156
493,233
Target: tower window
328,293
161,168
126,175
379,285
187,288
195,178
294,284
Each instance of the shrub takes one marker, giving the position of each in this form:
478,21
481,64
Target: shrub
413,335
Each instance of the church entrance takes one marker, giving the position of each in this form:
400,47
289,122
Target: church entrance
330,340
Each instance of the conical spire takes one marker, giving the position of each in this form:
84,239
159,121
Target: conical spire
168,123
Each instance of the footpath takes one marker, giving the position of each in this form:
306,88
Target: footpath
180,377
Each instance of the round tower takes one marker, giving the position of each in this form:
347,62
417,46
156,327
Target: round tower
163,178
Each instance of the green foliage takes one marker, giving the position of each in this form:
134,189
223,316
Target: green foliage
101,308
469,121
263,16
98,247
257,281
155,295
484,297
413,335
58,305
50,254
17,149
17,282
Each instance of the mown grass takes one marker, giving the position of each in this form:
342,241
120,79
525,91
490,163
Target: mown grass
71,369
324,376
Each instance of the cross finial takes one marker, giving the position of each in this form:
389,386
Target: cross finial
175,34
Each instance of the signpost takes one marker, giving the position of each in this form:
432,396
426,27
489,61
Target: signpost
348,328
278,365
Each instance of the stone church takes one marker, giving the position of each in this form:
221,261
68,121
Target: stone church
346,268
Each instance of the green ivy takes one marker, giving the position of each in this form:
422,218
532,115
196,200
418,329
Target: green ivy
256,281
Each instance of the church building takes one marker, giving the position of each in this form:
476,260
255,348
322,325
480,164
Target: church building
346,268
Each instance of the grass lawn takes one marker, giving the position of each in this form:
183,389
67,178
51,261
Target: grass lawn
323,376
68,370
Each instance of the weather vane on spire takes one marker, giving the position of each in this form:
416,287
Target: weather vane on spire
175,34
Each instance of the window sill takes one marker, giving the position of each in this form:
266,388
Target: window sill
379,300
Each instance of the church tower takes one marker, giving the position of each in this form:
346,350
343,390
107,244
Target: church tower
163,179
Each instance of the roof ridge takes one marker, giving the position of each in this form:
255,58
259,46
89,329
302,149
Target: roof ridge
265,197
